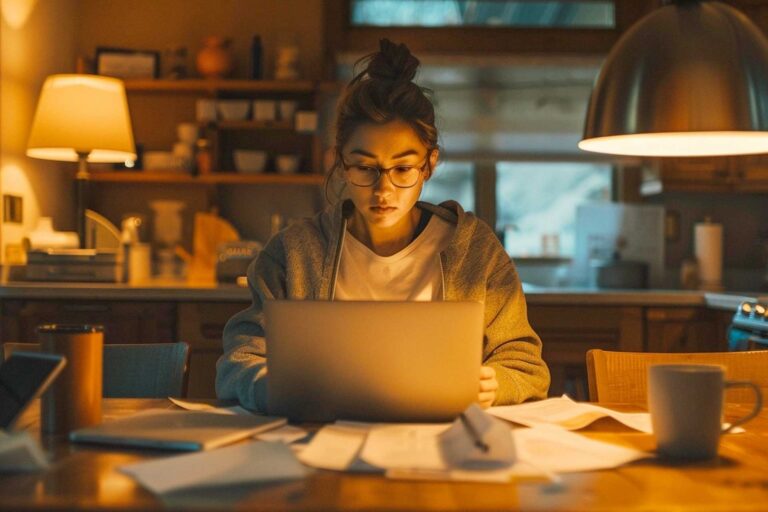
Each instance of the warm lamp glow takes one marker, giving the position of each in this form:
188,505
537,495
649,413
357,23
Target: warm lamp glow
82,114
679,144
689,79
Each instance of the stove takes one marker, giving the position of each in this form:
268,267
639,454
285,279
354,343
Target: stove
749,326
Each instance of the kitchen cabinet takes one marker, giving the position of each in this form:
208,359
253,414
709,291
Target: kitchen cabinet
716,174
124,322
567,329
568,332
686,329
201,325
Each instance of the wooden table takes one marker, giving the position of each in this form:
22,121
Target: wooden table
84,478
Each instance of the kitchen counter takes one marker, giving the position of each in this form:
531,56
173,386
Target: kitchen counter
195,292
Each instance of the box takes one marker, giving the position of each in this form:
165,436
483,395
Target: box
89,265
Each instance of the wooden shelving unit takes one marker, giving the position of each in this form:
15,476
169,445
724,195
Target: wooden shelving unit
219,86
217,178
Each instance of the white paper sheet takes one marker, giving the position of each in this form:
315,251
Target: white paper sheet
286,434
557,450
335,447
198,406
405,446
237,464
19,452
568,414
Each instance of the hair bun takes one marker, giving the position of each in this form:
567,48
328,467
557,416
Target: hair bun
393,63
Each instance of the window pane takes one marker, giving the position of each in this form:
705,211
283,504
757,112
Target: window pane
488,13
536,203
451,180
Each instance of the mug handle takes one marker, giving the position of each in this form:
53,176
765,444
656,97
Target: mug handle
758,402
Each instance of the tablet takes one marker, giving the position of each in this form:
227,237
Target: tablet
24,376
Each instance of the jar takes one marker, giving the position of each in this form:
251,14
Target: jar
203,156
214,60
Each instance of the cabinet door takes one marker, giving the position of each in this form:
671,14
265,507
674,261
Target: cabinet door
567,332
124,322
201,324
685,330
697,174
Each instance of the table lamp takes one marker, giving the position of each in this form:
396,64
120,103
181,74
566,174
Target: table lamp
689,79
82,118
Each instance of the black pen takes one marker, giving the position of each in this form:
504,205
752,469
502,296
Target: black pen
474,434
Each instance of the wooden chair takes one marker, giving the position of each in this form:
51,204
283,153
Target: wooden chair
141,370
621,377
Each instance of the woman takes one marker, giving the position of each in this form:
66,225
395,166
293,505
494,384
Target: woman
381,243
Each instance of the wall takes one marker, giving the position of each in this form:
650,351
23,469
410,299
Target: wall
37,40
745,235
160,24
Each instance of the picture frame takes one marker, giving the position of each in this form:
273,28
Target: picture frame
127,63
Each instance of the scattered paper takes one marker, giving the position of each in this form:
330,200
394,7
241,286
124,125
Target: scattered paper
205,407
405,446
335,447
556,450
571,415
476,440
568,414
19,452
238,464
286,434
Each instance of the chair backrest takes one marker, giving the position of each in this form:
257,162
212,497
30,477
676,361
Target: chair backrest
622,377
141,370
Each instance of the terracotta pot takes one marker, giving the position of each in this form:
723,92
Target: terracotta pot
214,60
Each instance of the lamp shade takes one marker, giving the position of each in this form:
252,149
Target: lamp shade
85,114
689,79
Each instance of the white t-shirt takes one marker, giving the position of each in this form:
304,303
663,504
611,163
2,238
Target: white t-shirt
414,273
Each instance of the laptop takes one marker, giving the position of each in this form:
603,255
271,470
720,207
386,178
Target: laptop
372,360
176,430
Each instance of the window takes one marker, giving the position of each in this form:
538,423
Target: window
536,203
484,13
451,180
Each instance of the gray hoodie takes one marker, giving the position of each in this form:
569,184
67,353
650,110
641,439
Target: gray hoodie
301,262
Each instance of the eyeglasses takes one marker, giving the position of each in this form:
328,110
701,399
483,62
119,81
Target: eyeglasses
401,176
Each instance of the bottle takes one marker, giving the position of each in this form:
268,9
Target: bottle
255,71
203,156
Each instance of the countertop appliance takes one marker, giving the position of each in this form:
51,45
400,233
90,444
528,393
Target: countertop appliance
749,328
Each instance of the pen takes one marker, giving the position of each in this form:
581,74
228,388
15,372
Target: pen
474,433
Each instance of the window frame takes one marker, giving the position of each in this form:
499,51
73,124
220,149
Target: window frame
341,37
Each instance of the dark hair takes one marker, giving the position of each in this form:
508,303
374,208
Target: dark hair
384,91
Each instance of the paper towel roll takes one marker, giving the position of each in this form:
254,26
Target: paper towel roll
708,248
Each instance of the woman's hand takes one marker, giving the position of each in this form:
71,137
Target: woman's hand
488,387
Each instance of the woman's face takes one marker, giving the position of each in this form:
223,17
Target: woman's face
391,145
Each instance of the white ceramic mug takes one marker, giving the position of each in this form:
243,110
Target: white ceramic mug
686,405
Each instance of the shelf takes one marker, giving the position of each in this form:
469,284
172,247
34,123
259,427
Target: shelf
251,125
213,86
209,179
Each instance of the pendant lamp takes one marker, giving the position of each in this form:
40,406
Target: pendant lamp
689,79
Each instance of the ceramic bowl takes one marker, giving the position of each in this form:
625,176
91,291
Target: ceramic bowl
233,110
250,160
287,164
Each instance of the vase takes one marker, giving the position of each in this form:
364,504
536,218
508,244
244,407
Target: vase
214,60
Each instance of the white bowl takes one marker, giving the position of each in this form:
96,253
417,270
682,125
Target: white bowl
233,110
159,160
287,164
249,160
